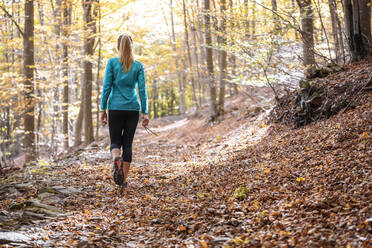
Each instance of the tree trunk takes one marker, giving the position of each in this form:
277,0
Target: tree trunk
232,59
197,66
98,86
209,60
56,103
253,31
324,31
179,73
203,55
274,7
192,74
365,19
358,27
246,20
90,16
307,35
80,118
28,70
332,10
66,27
293,4
154,99
223,61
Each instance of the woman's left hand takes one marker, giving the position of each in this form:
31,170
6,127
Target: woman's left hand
145,120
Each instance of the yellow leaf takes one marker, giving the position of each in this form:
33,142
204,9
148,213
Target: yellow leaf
365,135
267,171
300,179
182,228
203,243
268,156
238,241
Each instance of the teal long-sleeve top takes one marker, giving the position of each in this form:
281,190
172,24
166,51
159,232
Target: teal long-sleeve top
119,87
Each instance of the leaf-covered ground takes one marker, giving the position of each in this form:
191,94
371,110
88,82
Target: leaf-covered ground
241,183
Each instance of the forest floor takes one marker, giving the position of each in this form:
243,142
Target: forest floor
241,182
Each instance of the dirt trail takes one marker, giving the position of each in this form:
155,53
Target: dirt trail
152,211
239,183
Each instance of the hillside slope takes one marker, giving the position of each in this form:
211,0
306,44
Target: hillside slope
243,182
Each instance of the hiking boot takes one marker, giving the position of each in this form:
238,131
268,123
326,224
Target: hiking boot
118,171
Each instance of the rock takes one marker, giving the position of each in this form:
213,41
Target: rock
13,237
28,215
64,190
16,206
49,198
22,187
38,207
47,190
59,190
130,244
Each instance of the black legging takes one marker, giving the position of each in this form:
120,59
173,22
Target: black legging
122,126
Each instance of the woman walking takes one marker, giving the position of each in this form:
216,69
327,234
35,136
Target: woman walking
119,96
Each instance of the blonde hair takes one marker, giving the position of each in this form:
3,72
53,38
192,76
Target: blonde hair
126,58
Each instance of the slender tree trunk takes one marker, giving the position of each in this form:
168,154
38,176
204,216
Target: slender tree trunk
307,35
274,7
189,55
90,16
246,20
253,29
323,28
154,99
209,59
232,58
332,10
223,61
80,118
197,66
203,53
98,86
66,26
56,103
340,36
28,70
294,8
179,73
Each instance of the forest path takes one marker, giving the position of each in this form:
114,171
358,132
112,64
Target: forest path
164,197
236,183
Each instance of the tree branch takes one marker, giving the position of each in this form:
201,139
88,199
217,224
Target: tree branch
11,18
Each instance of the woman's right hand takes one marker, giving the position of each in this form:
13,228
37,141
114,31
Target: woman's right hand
104,117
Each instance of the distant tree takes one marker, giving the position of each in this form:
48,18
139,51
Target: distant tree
276,20
66,29
337,35
209,60
90,16
358,27
181,82
190,64
223,60
28,70
307,34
